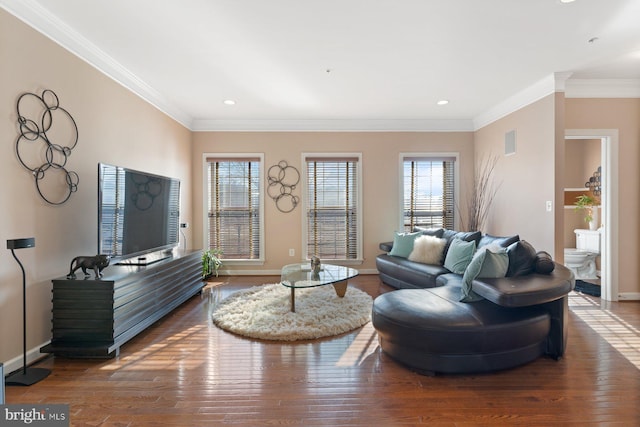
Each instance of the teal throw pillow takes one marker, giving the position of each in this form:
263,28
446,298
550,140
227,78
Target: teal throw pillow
495,265
403,244
487,263
459,255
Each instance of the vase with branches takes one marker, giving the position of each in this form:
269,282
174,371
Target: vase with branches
482,194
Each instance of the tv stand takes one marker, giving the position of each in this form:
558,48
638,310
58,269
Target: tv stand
147,259
92,318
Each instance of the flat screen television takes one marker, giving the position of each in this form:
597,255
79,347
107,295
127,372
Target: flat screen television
138,215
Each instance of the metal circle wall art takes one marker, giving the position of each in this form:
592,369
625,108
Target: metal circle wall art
283,179
47,130
594,183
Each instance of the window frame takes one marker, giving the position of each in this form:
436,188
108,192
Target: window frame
205,199
359,198
427,156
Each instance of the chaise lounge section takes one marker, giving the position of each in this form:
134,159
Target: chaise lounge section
515,319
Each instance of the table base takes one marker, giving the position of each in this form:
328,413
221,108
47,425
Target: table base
339,287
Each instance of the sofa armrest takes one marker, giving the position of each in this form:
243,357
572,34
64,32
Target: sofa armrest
527,290
386,246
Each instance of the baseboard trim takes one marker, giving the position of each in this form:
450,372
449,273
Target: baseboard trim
629,296
33,355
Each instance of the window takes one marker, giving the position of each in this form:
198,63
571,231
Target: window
332,207
428,188
235,219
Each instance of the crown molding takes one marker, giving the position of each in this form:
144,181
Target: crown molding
40,19
603,88
560,82
555,82
333,125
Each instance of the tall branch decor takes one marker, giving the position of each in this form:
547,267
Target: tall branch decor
482,194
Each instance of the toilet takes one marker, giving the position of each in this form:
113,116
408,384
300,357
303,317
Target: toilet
582,259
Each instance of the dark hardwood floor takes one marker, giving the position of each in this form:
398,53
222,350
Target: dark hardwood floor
184,371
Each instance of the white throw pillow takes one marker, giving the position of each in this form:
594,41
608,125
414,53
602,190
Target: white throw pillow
427,250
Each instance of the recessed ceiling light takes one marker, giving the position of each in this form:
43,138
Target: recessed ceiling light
443,102
229,102
567,1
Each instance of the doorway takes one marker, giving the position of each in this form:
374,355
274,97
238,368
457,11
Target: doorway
609,205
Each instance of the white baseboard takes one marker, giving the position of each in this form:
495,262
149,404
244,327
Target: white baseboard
629,296
16,363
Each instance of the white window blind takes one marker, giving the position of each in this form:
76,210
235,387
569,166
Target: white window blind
234,207
428,195
332,207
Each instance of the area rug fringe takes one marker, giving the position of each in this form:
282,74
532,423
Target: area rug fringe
264,312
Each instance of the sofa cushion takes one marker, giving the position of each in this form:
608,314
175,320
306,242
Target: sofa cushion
427,250
544,264
467,236
486,263
430,331
459,255
436,232
522,258
402,273
503,241
403,244
526,290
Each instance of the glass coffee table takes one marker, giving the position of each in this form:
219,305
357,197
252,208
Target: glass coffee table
297,276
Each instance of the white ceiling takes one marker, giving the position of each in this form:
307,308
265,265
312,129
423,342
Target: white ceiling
347,64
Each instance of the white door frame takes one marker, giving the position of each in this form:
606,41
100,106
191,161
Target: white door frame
609,150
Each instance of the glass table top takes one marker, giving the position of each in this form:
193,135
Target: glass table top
301,275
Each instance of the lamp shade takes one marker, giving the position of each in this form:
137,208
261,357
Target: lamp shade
28,242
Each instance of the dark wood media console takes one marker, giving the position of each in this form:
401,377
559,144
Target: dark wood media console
93,318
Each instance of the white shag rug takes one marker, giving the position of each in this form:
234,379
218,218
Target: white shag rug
264,312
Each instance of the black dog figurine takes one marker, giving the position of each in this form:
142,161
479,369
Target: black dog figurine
96,263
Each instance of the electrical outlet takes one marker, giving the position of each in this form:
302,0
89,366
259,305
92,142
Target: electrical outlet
549,206
292,252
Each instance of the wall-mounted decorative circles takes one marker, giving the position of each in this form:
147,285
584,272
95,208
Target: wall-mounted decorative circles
594,182
41,120
283,179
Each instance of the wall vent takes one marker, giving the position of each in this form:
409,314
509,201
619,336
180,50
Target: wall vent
510,143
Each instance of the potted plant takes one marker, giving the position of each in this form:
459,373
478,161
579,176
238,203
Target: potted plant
586,203
211,262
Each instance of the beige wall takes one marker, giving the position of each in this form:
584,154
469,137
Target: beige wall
623,115
526,178
115,127
380,158
581,161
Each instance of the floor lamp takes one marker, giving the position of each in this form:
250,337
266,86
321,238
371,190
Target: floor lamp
25,376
